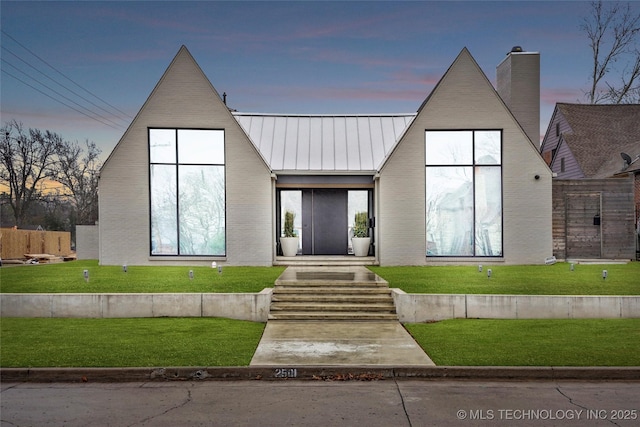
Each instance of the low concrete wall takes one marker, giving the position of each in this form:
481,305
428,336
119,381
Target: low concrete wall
254,307
418,308
411,308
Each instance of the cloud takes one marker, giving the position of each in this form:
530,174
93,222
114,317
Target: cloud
552,96
372,92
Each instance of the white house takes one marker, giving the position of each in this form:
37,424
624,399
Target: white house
460,181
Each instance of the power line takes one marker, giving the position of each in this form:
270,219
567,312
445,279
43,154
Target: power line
58,83
116,126
66,77
57,100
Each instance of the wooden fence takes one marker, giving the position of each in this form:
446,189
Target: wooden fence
594,218
16,243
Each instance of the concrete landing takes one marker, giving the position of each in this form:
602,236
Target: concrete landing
344,343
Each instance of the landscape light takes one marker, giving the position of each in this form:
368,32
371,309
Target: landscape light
604,274
479,268
85,273
124,268
219,269
489,273
190,274
213,264
571,267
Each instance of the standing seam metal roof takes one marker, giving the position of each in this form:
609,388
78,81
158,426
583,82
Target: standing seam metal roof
324,143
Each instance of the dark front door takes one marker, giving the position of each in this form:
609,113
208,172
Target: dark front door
324,222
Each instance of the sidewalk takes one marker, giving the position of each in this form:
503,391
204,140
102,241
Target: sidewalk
331,343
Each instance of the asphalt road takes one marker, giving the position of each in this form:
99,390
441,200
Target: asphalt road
385,402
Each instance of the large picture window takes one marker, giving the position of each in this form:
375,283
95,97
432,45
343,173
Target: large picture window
187,192
463,193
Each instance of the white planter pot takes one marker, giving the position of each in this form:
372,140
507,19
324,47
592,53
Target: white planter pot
361,245
289,246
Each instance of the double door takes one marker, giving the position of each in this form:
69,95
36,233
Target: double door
326,217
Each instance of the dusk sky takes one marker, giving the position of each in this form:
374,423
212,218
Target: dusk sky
270,57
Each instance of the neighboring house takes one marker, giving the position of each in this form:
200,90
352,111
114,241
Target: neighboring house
460,181
594,152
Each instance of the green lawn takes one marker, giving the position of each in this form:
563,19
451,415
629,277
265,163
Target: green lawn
159,342
580,342
68,278
557,279
623,279
41,342
162,342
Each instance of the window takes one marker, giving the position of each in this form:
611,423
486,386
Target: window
187,192
291,200
463,193
557,128
562,164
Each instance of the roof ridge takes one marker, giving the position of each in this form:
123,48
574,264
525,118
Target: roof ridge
240,113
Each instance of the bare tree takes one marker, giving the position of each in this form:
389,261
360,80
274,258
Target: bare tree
613,33
77,170
27,160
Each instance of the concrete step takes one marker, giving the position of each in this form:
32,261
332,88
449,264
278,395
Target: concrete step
331,294
320,260
329,307
326,315
305,290
310,298
330,283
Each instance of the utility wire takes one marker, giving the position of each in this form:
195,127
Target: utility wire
63,75
57,100
114,124
59,84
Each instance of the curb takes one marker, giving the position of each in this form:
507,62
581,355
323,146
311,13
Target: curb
322,373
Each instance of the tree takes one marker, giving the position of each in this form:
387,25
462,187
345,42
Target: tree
77,170
613,33
27,160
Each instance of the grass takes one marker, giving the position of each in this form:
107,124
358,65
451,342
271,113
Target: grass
161,342
623,279
157,342
47,342
68,278
557,279
579,342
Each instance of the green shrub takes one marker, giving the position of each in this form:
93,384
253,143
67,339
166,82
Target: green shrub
289,216
361,226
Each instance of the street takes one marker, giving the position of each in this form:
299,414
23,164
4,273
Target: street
322,403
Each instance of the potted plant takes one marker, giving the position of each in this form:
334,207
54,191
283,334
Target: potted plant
289,242
361,240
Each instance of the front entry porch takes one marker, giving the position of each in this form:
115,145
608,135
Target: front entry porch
323,212
325,260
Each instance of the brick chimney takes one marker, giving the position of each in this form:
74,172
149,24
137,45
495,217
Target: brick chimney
518,81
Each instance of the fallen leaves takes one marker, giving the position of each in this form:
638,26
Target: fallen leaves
349,377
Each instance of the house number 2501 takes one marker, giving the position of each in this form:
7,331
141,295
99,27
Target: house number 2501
286,373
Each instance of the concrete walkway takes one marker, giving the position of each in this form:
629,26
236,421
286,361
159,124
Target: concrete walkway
337,342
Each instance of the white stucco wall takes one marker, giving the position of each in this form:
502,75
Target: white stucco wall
184,98
464,99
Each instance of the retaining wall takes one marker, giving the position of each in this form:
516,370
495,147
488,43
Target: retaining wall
418,308
250,306
411,308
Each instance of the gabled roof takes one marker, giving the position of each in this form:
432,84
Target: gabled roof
324,143
183,68
599,133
